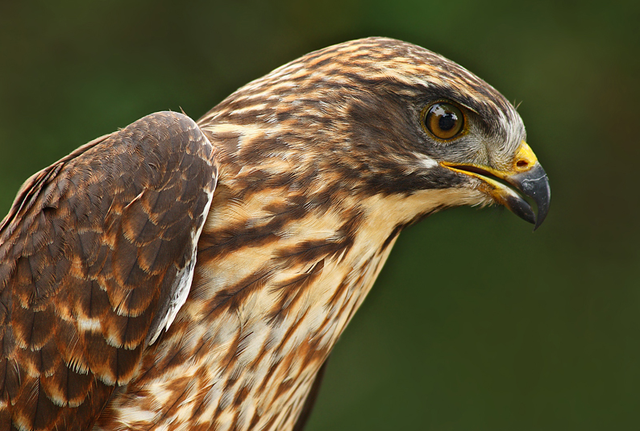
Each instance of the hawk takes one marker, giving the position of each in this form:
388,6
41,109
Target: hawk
181,275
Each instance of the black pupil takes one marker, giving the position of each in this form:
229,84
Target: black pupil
447,121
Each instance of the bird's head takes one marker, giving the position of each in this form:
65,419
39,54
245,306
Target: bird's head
380,117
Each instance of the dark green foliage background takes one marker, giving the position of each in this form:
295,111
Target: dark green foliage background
475,322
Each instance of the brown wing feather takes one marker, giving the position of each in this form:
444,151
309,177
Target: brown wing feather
93,256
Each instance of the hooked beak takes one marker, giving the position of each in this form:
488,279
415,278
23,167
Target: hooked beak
526,175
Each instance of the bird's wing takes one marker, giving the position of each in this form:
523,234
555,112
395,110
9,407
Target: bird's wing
96,257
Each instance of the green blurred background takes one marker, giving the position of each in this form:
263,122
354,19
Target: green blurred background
475,322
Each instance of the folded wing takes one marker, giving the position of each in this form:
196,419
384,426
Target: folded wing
96,257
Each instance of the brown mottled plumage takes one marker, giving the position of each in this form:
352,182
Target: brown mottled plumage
135,297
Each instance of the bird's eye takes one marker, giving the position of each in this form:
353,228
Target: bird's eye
444,120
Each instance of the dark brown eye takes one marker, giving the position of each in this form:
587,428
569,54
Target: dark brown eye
444,120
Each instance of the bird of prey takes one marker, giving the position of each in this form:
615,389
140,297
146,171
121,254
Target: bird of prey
182,275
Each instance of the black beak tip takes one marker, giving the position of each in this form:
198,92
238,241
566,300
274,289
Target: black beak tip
543,210
535,184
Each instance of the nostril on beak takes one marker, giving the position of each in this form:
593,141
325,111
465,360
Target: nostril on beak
522,165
